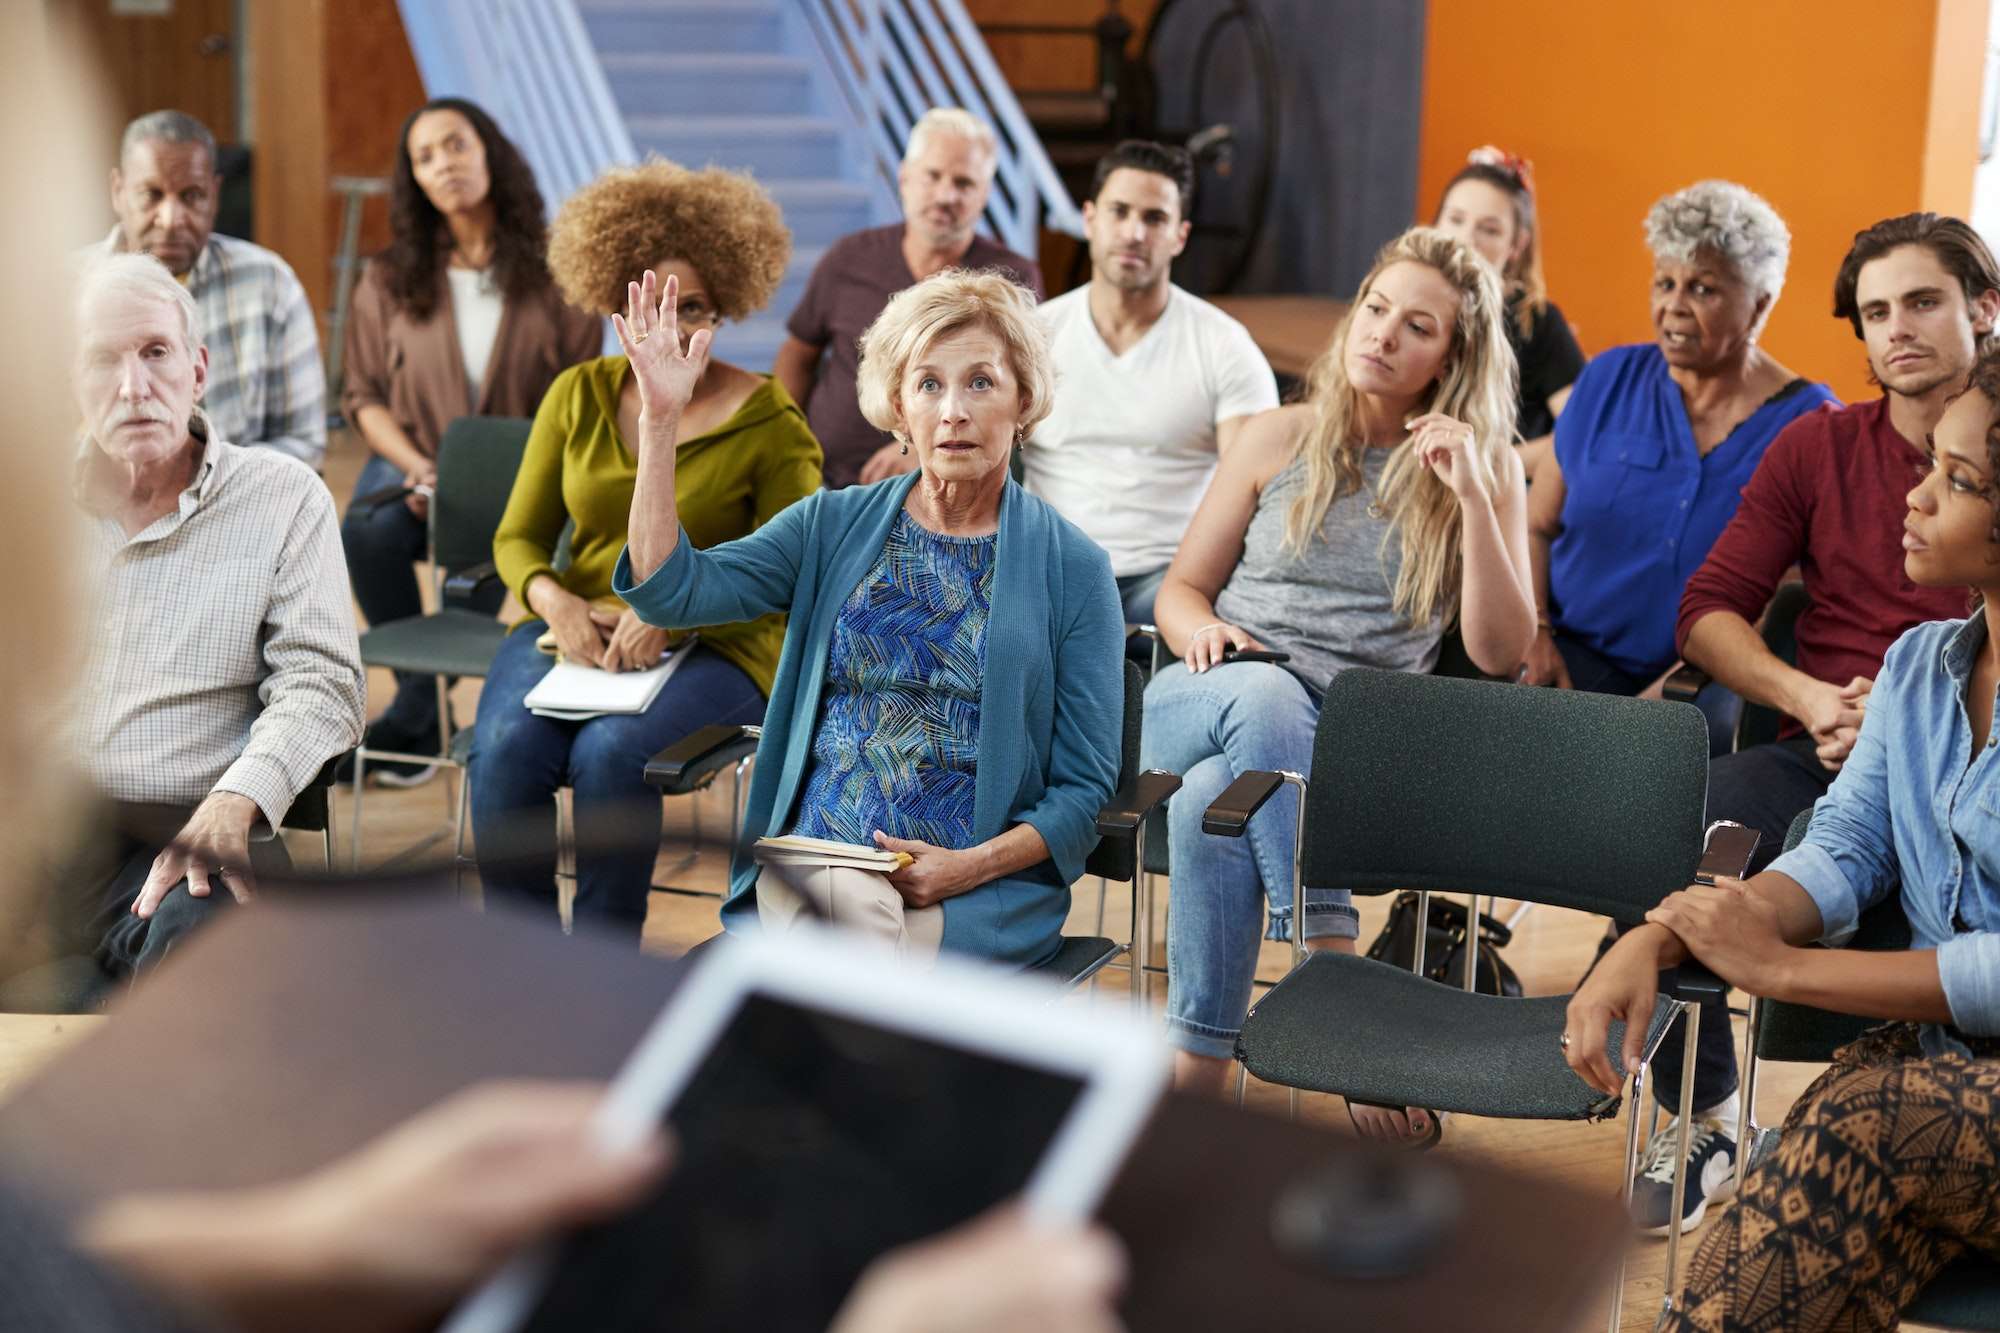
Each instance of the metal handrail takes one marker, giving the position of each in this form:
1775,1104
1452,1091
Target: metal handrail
895,59
531,65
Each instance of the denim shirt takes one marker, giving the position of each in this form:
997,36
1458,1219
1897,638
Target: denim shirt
1915,806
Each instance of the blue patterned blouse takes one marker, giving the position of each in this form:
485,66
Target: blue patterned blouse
899,715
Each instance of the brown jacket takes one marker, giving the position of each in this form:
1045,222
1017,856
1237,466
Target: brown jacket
415,369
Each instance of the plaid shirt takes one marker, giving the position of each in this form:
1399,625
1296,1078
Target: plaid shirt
224,656
265,383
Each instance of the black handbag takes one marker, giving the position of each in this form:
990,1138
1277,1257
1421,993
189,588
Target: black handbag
1444,945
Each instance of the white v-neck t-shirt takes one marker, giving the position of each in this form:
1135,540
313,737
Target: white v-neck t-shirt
1130,446
475,309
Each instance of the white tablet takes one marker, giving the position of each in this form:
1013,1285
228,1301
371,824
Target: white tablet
829,1106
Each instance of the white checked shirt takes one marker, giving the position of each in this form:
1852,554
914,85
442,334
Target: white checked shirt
265,383
224,655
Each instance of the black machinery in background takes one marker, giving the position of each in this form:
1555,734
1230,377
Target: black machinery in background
1204,74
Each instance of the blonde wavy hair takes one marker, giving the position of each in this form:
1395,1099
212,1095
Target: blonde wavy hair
1477,386
943,304
720,222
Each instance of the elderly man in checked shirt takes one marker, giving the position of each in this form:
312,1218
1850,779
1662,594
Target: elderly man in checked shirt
223,672
265,385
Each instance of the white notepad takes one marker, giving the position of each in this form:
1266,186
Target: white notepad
574,692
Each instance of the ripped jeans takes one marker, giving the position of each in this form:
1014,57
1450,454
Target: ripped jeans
1211,728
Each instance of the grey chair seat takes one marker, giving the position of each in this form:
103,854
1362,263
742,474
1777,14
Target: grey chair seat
453,642
1079,959
1403,1040
1966,1296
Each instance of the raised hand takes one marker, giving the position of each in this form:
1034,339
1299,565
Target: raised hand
649,331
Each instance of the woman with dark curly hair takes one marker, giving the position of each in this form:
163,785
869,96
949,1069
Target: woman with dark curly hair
744,453
458,316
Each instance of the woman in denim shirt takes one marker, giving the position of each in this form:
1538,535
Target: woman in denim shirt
1889,1165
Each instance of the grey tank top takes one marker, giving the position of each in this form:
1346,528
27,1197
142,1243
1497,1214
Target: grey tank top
1333,608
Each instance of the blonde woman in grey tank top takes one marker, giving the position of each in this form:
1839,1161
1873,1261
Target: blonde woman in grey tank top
1347,530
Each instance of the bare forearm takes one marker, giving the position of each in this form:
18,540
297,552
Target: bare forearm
378,427
1903,985
1497,614
656,521
1729,648
1179,611
1012,852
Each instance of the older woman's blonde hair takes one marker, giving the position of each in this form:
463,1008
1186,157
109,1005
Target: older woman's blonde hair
944,304
720,222
1476,386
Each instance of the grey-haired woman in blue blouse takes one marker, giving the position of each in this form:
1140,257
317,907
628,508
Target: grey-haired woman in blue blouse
952,678
1889,1165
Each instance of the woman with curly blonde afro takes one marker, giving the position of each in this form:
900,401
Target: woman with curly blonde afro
742,451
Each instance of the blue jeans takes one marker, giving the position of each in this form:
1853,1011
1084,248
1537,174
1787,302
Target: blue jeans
383,549
519,761
1137,593
1211,728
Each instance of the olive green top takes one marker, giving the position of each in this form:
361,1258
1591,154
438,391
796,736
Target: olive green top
727,482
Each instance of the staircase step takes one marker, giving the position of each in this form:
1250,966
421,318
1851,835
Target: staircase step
753,344
768,147
683,25
805,258
820,212
708,84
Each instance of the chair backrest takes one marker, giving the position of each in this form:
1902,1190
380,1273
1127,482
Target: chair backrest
1800,1032
1112,857
1759,724
477,460
1589,801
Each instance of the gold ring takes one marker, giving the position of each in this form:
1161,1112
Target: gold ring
1564,1041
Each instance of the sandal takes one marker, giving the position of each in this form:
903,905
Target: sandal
1425,1143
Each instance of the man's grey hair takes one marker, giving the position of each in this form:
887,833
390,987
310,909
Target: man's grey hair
167,127
143,276
1723,218
954,123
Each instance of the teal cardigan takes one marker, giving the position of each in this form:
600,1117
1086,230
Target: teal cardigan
1051,706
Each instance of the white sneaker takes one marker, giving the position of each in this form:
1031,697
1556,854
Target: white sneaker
1711,1175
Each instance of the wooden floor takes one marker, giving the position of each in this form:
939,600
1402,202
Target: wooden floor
1550,951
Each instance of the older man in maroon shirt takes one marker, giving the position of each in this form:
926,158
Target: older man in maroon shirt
1923,293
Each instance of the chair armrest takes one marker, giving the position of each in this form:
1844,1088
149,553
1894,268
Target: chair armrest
1697,985
462,585
374,500
1231,812
1684,684
695,758
1131,803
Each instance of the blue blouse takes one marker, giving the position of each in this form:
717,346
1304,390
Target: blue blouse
1915,806
1644,503
898,737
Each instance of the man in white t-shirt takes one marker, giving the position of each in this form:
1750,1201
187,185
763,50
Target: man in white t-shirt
1153,384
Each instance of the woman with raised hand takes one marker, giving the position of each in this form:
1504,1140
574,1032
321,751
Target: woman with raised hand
1351,529
458,317
1491,206
952,685
1885,1171
744,454
1654,448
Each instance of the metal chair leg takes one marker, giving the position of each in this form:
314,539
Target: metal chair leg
1103,889
1671,1294
1634,1094
1746,1122
1472,945
354,816
1298,783
458,843
1423,930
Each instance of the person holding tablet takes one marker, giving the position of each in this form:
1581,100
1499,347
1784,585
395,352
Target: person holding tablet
951,684
1885,1171
1347,530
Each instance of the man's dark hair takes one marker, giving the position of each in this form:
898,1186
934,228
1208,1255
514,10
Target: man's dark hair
1957,246
1176,164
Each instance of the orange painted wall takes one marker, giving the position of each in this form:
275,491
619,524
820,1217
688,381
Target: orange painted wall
1840,112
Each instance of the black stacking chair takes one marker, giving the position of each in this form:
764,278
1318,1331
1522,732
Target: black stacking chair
1966,1296
1420,782
312,812
477,460
695,761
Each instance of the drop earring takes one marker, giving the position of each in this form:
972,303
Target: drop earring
905,450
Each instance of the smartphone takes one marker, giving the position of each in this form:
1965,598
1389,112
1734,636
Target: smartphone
1726,852
1231,653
